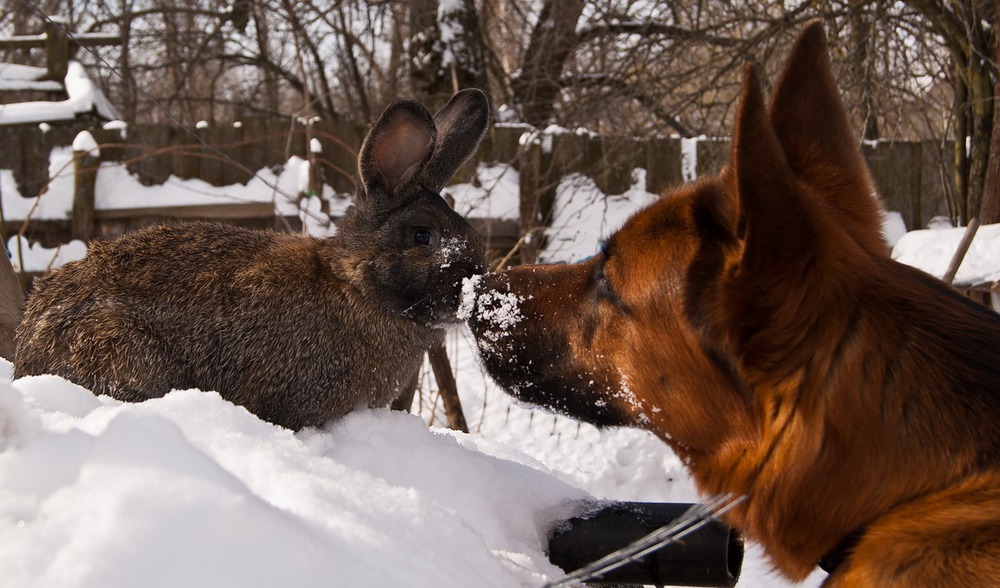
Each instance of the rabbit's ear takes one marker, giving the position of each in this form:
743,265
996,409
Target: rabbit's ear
395,149
461,125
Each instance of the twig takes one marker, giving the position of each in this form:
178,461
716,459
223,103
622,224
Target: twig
963,248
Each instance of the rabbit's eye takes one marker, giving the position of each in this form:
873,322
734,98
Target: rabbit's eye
423,237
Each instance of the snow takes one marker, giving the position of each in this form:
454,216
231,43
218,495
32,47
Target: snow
190,490
86,143
117,125
893,227
493,193
33,257
450,29
83,97
501,310
56,201
689,157
931,250
116,189
26,77
583,216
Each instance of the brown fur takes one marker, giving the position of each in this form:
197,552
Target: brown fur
11,299
755,322
298,330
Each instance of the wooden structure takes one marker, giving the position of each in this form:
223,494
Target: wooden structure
59,44
986,293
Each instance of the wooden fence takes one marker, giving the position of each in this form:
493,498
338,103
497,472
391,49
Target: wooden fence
911,177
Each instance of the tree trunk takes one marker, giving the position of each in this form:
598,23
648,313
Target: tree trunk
989,210
271,95
980,111
960,23
446,50
552,41
130,104
426,56
979,148
861,65
961,149
467,47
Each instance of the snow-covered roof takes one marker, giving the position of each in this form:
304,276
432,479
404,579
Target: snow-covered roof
83,96
14,77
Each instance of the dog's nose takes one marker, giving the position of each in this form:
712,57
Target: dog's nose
483,297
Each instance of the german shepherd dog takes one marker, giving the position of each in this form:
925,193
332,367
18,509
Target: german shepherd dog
756,323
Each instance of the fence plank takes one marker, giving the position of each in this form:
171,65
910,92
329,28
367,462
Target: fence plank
913,178
936,193
85,166
663,164
146,151
341,142
895,167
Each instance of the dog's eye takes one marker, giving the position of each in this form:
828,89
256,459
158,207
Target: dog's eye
602,287
423,237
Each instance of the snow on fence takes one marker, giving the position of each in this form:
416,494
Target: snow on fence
910,176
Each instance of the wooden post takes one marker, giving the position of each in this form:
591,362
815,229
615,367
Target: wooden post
314,150
438,358
56,48
404,402
663,164
86,160
531,185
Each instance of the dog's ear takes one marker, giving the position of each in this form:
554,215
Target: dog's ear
822,149
775,214
795,259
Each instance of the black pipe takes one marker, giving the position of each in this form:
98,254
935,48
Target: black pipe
710,556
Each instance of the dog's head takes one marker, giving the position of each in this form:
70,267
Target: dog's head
755,322
715,284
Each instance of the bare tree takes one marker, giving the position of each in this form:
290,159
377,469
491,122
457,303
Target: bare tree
446,50
919,69
989,211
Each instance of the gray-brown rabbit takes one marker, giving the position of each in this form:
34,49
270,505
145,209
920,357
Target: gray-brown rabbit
297,330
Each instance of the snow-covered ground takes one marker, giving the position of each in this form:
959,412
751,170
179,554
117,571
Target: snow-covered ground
190,490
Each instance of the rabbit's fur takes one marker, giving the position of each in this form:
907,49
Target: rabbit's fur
297,330
11,299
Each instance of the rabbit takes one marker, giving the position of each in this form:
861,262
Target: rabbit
11,299
297,330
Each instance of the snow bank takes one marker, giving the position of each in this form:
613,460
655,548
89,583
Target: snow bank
116,188
56,199
583,216
190,490
36,258
931,250
893,227
493,193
